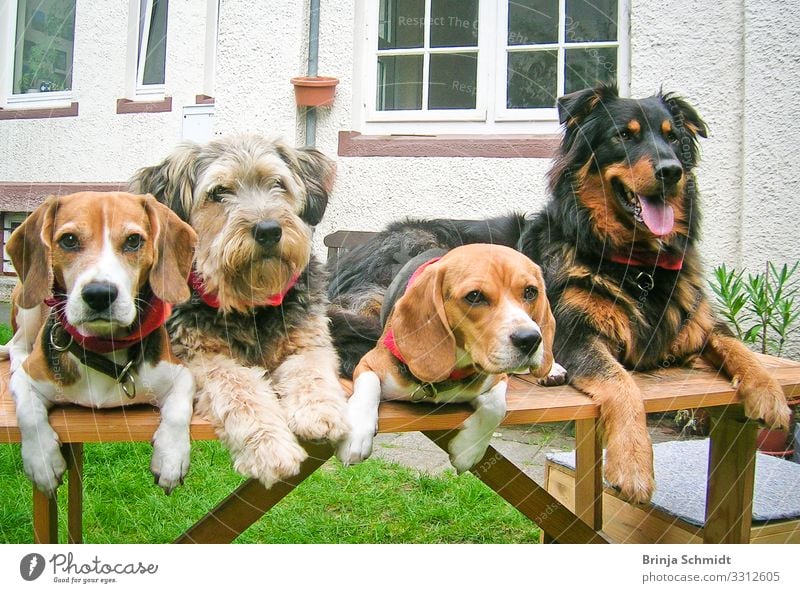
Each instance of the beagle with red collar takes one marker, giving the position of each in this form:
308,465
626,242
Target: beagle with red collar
98,272
454,325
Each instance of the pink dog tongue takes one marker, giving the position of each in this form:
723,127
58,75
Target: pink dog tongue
658,216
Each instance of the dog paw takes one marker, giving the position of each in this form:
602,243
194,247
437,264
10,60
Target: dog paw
270,458
556,376
465,451
320,420
355,448
170,461
763,399
44,464
630,471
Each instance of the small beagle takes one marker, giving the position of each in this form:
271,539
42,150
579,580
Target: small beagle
98,272
454,324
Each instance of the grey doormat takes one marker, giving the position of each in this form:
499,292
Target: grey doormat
681,468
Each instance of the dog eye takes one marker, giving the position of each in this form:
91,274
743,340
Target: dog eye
217,194
133,243
279,184
625,135
530,293
69,242
476,297
672,138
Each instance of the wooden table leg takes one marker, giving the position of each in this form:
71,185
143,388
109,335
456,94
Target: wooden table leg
731,473
45,518
589,473
526,495
73,453
249,502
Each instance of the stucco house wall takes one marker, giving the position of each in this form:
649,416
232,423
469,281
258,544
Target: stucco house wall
737,61
100,145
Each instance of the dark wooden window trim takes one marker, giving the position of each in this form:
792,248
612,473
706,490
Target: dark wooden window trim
39,112
354,144
203,100
25,197
128,106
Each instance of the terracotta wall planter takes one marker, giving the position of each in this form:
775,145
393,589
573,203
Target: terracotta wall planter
774,442
314,91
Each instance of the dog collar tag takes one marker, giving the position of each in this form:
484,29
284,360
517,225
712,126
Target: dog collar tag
424,391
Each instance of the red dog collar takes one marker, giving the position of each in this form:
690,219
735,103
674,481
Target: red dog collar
391,344
641,258
211,299
151,318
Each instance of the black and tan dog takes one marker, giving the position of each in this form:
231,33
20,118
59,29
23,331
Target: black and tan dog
617,244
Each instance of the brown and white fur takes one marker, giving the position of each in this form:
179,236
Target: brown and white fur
127,247
480,312
266,374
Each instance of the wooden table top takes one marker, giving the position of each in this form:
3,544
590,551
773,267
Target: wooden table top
528,403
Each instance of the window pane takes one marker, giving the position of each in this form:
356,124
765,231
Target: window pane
156,58
591,20
453,81
399,82
401,23
532,79
454,23
532,21
587,67
44,45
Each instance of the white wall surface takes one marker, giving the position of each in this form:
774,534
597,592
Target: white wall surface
737,61
100,145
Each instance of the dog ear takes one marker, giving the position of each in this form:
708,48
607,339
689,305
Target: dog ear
684,115
30,248
421,330
317,173
173,250
543,315
574,107
172,181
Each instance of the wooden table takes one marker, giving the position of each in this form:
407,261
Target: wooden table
730,478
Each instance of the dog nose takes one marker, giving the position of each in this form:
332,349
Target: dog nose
526,340
99,295
669,172
267,233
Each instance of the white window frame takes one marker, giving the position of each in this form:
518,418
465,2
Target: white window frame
212,36
8,51
10,218
137,54
490,115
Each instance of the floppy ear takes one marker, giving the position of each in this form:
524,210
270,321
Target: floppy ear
685,115
543,315
172,181
173,250
421,330
317,173
574,107
30,249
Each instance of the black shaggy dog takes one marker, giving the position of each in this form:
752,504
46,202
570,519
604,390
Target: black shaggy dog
617,244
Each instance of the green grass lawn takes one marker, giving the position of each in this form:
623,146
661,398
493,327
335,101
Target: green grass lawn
375,502
5,333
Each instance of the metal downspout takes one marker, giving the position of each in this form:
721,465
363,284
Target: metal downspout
313,63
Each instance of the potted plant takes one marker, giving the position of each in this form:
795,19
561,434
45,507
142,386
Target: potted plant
314,91
762,309
39,65
27,83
